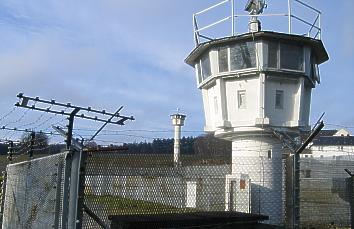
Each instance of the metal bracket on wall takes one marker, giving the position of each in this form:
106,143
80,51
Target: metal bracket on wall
287,140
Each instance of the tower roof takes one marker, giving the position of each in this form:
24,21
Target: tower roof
316,44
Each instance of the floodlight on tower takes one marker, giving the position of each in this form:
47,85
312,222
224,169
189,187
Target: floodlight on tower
255,7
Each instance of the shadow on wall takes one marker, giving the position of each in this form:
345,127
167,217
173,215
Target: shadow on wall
263,201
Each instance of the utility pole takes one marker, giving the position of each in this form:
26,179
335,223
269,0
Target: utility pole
32,142
74,113
11,150
75,160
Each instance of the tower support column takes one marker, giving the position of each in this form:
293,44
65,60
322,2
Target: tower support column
261,158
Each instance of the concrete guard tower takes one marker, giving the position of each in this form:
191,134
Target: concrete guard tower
177,122
256,89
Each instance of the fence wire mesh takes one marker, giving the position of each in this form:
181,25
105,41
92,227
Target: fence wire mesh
325,192
120,184
267,192
33,193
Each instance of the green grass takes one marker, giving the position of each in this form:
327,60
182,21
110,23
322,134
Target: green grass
116,205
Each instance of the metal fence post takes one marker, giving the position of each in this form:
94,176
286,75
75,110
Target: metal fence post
67,171
81,189
350,191
58,195
73,220
351,200
296,191
296,174
3,190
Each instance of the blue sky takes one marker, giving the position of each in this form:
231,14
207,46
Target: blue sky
109,53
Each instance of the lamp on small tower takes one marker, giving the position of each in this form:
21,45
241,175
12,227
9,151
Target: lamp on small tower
255,7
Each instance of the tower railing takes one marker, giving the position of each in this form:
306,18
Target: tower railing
309,26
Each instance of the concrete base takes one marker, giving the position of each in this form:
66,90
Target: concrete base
261,158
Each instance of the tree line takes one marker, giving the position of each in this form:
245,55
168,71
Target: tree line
201,145
206,145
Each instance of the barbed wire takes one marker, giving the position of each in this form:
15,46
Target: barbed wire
141,130
35,121
111,133
339,125
109,141
21,117
8,114
8,134
26,146
45,121
60,120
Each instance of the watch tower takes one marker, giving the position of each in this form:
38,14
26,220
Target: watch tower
256,86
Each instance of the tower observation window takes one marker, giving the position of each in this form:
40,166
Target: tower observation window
273,55
206,71
243,55
291,57
199,73
315,73
223,57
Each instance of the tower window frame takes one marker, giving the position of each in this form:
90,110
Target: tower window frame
223,61
279,99
292,57
199,73
205,66
243,56
271,54
269,152
307,173
241,99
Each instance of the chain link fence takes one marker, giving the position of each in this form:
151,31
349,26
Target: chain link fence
120,184
4,161
33,193
324,192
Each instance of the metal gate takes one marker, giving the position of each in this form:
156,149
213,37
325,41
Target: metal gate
34,192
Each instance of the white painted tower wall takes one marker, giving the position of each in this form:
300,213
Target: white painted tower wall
261,158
